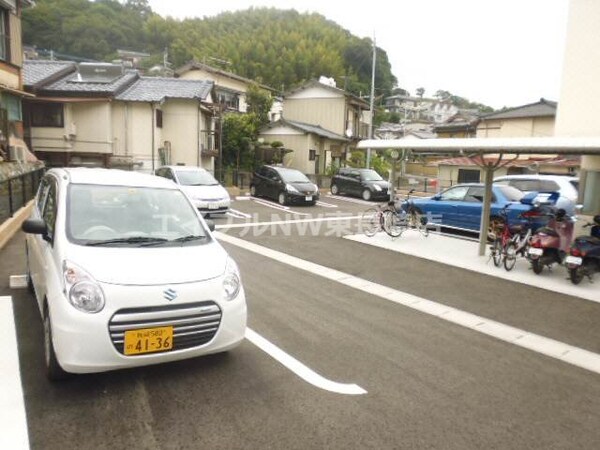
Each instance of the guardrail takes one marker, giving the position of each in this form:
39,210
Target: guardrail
16,191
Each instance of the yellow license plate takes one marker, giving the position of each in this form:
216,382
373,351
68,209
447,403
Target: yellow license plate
148,340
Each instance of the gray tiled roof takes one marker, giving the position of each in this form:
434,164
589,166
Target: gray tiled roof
36,71
149,89
70,85
543,108
309,128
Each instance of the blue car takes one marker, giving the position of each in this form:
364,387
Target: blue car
459,207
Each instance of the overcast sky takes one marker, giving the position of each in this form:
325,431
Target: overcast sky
495,52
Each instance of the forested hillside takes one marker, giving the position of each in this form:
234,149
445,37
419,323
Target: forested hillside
280,48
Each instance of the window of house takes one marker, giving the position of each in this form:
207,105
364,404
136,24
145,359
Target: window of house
312,155
229,100
4,35
468,175
47,115
159,118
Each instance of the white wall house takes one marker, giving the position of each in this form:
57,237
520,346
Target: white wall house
101,115
230,89
313,148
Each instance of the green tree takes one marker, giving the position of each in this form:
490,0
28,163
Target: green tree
259,103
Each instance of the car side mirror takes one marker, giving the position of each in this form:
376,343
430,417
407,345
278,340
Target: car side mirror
35,226
436,197
210,224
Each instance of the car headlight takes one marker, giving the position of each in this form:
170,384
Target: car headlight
231,280
82,290
290,188
377,187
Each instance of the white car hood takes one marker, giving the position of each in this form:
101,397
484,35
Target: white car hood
206,192
150,265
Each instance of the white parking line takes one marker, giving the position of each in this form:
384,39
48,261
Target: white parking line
326,205
300,369
238,214
549,347
351,200
279,207
283,222
13,421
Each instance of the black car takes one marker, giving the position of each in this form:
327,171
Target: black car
283,185
365,183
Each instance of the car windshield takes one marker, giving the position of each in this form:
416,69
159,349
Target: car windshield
512,194
134,216
293,176
370,175
196,178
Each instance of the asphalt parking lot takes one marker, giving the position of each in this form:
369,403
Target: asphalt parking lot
352,343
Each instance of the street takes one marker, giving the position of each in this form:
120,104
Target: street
334,357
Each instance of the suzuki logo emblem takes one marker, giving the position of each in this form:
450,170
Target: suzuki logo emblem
170,294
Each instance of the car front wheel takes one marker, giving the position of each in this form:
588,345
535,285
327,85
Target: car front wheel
366,194
53,370
334,189
253,191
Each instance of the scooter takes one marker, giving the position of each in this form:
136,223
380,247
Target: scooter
584,259
550,244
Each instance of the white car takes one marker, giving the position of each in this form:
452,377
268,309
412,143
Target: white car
127,273
566,186
204,190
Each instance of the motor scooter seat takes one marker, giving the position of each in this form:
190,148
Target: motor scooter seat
590,240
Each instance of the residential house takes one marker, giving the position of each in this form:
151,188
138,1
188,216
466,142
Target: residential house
12,145
171,116
332,110
230,89
463,124
102,115
531,120
313,148
465,170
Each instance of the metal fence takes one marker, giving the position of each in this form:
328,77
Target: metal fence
16,191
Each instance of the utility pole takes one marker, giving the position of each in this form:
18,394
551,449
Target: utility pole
372,104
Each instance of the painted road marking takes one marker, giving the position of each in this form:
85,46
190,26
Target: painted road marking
238,214
300,369
279,207
284,222
540,344
13,421
326,205
351,200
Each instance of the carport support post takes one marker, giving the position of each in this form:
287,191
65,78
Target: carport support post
485,213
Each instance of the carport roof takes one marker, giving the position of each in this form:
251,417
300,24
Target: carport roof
532,145
150,89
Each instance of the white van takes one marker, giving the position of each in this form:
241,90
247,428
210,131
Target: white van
127,273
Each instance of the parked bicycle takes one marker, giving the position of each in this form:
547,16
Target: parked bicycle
408,216
520,241
372,220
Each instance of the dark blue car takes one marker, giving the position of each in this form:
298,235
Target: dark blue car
460,206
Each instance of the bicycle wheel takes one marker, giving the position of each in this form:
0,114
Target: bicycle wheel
419,222
510,256
371,221
393,224
497,252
